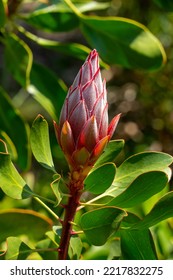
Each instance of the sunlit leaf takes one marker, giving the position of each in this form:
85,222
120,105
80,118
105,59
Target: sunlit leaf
18,58
92,6
138,164
17,249
100,179
123,41
40,143
100,223
11,182
53,237
141,189
162,210
15,222
129,170
10,118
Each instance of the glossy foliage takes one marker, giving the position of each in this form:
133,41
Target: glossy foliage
118,188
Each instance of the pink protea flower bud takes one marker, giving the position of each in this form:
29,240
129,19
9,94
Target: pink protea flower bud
83,131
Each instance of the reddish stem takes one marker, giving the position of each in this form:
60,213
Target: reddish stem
70,211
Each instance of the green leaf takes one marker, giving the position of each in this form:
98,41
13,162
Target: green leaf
137,245
54,18
9,143
75,248
112,150
99,224
55,186
165,4
123,41
130,169
40,143
10,118
17,249
100,179
92,6
138,164
47,89
2,14
59,17
18,58
53,237
162,210
11,182
141,189
76,50
16,222
43,247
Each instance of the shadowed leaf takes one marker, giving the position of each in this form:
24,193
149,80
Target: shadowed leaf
100,223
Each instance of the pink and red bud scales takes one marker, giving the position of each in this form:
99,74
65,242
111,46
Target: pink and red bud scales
83,131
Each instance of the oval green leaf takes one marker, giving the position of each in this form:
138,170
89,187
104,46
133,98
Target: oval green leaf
100,223
141,189
18,58
162,210
16,222
10,118
100,179
140,163
11,182
40,143
123,41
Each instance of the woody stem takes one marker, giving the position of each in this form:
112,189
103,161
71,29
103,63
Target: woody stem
70,211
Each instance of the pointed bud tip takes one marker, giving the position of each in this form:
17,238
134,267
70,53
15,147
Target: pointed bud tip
66,139
113,125
57,131
93,53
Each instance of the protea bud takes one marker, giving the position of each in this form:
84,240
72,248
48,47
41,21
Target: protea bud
83,131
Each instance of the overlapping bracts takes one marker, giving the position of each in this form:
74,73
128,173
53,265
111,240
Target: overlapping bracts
83,131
